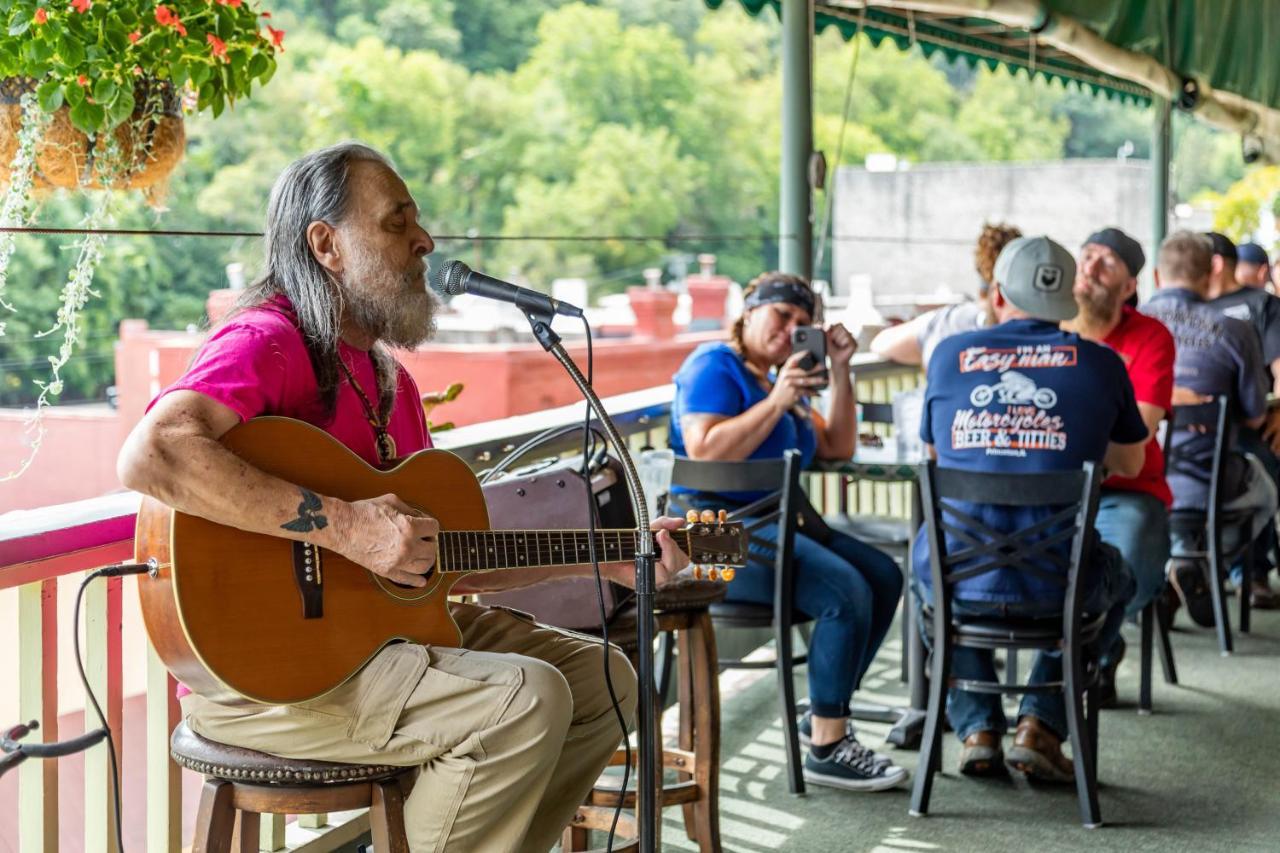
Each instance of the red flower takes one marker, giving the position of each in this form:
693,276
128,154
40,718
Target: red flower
82,80
219,46
165,18
266,14
277,37
81,6
41,16
134,36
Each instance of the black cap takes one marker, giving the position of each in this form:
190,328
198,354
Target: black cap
1222,245
1128,249
1252,253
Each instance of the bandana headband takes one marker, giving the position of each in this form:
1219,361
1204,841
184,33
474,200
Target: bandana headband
782,291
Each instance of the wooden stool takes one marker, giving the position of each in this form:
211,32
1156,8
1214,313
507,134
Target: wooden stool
682,609
241,784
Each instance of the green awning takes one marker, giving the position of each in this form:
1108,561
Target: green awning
1232,45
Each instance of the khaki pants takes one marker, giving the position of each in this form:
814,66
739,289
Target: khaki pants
509,733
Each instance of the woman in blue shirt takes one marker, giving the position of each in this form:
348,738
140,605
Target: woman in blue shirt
749,399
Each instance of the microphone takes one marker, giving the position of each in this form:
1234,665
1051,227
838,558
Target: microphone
454,277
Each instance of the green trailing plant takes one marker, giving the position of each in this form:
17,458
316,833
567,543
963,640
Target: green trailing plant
88,54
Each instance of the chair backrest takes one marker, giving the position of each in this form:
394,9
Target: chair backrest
777,479
1211,421
1071,498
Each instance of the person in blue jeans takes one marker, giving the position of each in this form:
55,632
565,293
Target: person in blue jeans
749,399
1024,396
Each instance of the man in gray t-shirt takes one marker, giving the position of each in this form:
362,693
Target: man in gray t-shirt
1215,355
1261,310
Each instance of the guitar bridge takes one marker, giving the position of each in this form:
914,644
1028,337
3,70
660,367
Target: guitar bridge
308,577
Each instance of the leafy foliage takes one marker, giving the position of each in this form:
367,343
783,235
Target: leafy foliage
89,54
641,118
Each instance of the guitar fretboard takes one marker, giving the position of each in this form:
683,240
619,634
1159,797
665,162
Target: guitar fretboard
486,550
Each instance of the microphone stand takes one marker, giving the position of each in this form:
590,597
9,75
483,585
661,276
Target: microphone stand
647,781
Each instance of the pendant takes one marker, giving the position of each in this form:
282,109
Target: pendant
386,446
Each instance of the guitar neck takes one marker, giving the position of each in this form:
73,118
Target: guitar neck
489,550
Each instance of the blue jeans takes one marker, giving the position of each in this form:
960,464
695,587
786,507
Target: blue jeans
1137,524
976,712
850,589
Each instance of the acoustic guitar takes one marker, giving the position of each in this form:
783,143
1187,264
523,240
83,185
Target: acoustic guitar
239,615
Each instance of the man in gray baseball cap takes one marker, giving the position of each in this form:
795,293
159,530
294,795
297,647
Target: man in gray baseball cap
1036,275
1026,396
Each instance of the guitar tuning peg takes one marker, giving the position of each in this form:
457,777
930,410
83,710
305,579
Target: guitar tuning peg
691,517
713,574
727,573
722,516
707,516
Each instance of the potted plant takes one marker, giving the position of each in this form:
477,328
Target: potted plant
108,79
92,94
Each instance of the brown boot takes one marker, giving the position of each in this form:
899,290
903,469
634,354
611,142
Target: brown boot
1262,596
1037,752
981,755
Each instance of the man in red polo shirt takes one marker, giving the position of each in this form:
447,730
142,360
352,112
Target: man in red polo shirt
1133,513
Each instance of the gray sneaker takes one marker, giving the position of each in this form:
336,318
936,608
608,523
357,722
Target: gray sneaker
853,767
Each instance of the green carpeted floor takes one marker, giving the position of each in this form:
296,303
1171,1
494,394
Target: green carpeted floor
1202,773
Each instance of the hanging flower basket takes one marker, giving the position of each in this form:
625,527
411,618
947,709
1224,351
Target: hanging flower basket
112,77
92,94
150,142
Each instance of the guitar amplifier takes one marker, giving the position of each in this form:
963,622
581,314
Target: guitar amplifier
552,495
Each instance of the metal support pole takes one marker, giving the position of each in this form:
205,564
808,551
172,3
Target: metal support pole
795,225
1160,139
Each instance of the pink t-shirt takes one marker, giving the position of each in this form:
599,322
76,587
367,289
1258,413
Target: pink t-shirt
256,364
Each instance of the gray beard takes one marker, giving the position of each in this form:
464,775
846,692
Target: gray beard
395,311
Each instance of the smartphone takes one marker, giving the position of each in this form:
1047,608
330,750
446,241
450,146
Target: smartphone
812,341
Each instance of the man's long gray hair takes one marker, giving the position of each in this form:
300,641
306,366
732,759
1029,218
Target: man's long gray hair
316,187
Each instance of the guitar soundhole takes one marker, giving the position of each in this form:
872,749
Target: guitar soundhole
403,586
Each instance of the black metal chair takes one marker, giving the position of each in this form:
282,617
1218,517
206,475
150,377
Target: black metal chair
1073,495
780,478
1154,623
1212,419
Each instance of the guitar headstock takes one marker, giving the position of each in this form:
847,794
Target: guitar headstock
716,546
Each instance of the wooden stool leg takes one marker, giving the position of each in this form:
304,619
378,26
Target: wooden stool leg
698,669
574,840
247,838
215,819
687,697
386,817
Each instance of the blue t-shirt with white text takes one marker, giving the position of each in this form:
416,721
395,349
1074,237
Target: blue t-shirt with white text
1022,397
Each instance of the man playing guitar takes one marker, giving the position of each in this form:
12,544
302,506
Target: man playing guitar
510,730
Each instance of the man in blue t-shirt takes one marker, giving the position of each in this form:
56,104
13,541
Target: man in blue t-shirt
1025,396
1216,354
